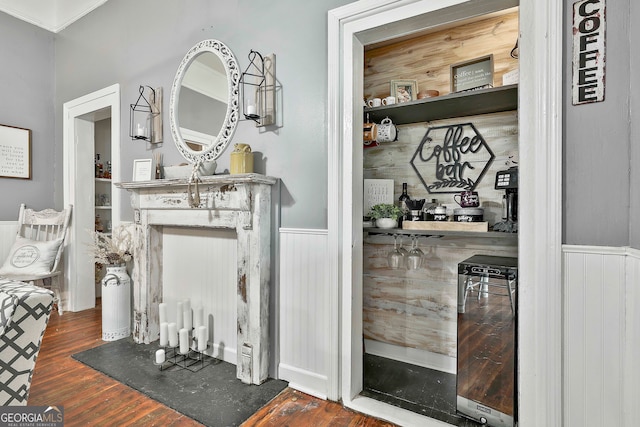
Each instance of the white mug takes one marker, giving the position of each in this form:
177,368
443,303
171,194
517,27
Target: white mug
389,100
386,131
374,102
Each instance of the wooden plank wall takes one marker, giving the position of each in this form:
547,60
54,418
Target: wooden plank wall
428,58
417,309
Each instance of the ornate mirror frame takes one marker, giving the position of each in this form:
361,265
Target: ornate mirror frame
231,119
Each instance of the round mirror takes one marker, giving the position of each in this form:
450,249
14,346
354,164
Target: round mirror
204,101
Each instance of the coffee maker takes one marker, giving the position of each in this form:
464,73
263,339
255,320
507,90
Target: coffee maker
507,180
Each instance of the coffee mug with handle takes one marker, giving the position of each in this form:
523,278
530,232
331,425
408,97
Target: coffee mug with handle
386,131
370,133
374,102
389,100
468,199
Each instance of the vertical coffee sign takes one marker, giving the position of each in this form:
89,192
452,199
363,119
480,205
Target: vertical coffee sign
588,51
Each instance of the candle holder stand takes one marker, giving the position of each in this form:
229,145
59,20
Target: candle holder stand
193,360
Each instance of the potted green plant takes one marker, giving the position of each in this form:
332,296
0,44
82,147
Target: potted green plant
386,215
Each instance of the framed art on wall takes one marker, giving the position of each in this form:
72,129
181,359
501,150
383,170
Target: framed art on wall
404,90
15,152
143,170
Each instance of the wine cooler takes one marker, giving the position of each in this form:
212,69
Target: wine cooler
487,316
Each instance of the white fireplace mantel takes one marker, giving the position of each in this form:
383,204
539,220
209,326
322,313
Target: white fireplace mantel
241,202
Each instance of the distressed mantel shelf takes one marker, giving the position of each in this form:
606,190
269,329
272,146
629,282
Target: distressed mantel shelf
241,202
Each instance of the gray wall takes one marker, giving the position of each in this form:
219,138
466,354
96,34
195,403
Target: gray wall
143,42
110,45
601,170
26,101
634,134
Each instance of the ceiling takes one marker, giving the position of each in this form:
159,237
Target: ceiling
52,15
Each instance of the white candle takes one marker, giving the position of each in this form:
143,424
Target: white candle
164,334
173,334
198,317
160,356
202,338
162,312
184,341
188,323
179,316
251,110
188,319
141,130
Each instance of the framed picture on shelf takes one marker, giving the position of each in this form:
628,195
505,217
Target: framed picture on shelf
143,170
404,90
472,75
15,152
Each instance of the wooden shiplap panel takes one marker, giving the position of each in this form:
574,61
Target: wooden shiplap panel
418,308
428,58
392,160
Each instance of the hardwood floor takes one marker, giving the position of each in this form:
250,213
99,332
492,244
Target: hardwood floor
90,398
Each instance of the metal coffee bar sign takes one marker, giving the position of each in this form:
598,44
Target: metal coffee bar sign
452,158
588,51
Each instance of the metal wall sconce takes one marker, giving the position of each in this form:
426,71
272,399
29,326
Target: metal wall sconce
258,89
145,122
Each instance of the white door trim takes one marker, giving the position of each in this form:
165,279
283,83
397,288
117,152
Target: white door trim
82,296
540,111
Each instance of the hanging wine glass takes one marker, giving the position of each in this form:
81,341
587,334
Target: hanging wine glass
414,258
402,249
395,257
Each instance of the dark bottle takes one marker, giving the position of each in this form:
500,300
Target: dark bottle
402,204
96,165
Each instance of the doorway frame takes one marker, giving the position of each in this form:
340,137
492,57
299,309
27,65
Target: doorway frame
83,297
540,151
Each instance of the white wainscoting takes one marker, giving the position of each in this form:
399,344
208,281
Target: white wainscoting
7,237
304,298
200,264
601,327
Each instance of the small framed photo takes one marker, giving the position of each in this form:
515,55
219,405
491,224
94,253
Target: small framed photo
15,152
404,90
472,75
143,170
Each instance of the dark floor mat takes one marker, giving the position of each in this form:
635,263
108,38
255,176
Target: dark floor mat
425,391
213,395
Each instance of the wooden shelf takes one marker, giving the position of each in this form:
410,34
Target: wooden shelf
441,233
461,104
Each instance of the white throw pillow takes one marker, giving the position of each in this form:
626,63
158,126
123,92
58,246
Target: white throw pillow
30,257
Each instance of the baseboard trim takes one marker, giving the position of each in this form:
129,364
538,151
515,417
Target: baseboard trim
414,356
304,381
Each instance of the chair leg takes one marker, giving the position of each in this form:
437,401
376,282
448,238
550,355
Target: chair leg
511,290
55,287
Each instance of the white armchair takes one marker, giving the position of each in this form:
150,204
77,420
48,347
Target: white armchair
37,251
